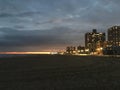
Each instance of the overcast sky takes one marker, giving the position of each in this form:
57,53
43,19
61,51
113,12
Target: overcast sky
41,25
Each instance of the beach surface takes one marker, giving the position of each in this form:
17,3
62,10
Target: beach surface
57,72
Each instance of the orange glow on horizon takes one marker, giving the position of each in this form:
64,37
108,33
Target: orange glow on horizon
38,52
25,52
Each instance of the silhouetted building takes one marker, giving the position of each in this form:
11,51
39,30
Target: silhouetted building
114,36
94,40
81,50
70,50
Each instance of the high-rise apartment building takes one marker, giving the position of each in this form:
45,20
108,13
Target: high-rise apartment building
94,40
114,36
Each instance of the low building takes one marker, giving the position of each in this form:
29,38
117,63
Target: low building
71,50
82,50
112,50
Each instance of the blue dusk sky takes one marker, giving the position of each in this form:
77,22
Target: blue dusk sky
42,25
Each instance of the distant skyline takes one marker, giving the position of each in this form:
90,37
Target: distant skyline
44,25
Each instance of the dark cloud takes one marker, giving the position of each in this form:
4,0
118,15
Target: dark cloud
22,14
36,38
2,15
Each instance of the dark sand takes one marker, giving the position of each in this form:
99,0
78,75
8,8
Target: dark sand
45,72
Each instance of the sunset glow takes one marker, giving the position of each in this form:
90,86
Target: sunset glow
25,52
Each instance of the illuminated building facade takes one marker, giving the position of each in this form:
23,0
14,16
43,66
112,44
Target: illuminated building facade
94,40
114,36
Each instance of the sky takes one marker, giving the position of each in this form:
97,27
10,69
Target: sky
46,25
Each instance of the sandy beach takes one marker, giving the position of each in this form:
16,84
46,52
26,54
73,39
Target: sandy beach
55,72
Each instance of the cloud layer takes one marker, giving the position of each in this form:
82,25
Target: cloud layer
16,40
44,24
